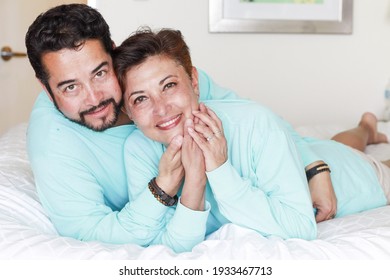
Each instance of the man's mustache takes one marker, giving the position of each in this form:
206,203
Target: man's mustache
102,104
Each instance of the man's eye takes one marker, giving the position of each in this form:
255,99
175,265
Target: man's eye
101,73
70,88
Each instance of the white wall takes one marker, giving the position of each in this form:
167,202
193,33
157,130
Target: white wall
307,79
18,85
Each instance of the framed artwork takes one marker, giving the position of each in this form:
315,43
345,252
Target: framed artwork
281,16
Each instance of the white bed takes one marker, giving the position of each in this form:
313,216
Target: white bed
27,233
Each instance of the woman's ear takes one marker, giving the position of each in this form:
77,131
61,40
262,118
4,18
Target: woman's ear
195,81
127,112
123,109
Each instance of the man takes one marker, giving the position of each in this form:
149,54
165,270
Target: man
77,129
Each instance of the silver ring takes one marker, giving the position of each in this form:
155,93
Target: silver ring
209,138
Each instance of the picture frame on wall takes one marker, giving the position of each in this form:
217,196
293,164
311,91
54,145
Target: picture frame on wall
281,16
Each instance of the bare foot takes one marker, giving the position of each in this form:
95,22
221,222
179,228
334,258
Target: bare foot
386,162
369,122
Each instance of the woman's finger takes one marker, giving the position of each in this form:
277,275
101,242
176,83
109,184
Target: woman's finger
210,119
200,141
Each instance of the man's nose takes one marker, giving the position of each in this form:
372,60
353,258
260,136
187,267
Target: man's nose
93,95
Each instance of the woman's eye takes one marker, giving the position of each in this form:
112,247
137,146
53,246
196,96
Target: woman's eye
169,85
139,99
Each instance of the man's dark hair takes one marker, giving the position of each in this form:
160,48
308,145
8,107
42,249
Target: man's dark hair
64,27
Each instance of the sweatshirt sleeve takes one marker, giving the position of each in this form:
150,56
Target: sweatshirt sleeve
76,203
273,196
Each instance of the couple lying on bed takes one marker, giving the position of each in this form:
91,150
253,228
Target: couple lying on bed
189,167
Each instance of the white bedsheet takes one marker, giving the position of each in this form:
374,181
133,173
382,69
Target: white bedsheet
27,233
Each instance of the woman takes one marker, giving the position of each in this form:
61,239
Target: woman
240,161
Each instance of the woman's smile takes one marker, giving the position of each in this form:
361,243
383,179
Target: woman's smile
170,123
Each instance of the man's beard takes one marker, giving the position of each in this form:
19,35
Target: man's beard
107,123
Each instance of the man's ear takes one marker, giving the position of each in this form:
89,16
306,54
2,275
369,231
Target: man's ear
45,89
195,80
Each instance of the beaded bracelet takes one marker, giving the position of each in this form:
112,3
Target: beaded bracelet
317,169
160,195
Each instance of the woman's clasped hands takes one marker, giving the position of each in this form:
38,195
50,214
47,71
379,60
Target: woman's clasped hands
208,135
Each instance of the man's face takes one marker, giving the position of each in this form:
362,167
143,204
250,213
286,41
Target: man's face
84,86
160,96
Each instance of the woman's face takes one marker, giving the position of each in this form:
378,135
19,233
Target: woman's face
160,96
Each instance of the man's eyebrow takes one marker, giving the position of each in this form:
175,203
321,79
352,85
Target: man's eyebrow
105,63
65,82
60,84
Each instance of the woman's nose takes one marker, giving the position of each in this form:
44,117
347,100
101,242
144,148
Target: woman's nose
160,107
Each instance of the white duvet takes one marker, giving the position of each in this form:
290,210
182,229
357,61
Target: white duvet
27,233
